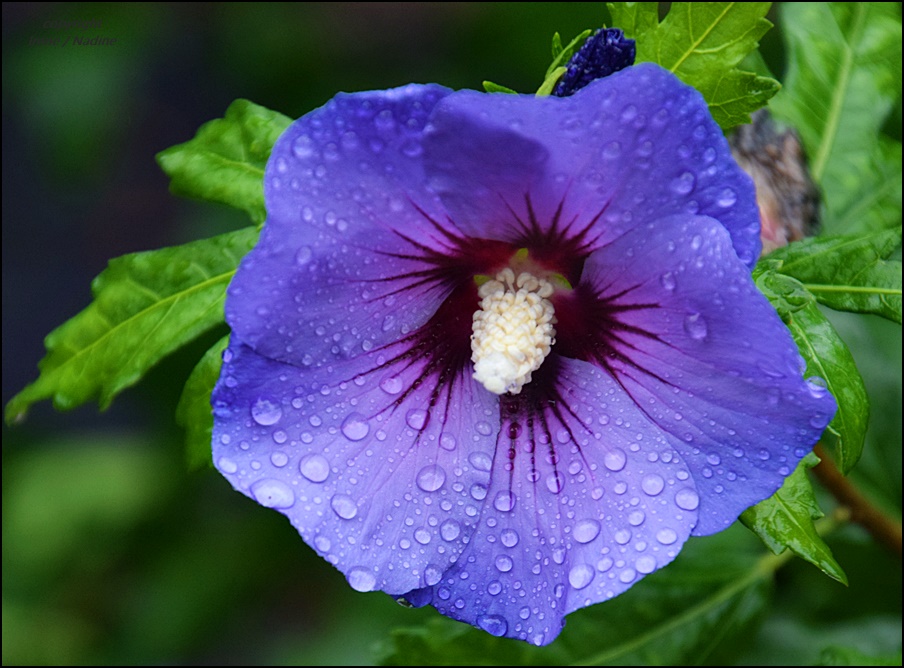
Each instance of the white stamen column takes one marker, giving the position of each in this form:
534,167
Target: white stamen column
513,330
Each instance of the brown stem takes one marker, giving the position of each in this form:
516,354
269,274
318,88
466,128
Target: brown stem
881,527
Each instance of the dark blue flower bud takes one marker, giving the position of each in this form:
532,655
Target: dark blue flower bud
604,52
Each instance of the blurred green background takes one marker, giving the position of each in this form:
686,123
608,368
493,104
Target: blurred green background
112,551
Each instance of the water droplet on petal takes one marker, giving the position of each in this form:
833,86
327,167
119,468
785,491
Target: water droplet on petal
555,482
580,576
817,386
636,518
652,484
226,465
727,198
361,579
509,537
504,501
391,385
450,530
266,411
668,281
666,536
480,461
416,418
645,564
615,459
303,256
504,563
683,184
622,536
447,442
586,530
687,499
422,536
322,543
431,478
493,624
314,467
355,427
273,493
432,575
524,612
344,506
478,491
695,326
279,459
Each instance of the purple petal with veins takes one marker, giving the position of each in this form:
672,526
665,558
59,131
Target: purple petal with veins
667,399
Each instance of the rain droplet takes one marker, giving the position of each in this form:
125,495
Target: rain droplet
303,147
555,482
416,418
279,459
355,427
504,563
645,564
652,484
266,411
447,442
391,385
627,575
696,242
604,564
817,386
668,281
695,326
314,467
322,543
615,459
687,499
524,612
580,576
586,530
226,465
509,537
432,575
480,461
422,536
504,501
361,579
273,493
683,184
303,256
819,420
622,536
666,536
636,518
450,530
727,198
344,506
478,491
495,625
431,478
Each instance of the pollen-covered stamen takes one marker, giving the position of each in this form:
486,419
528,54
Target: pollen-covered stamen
513,331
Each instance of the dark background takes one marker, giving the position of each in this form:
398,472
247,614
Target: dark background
112,551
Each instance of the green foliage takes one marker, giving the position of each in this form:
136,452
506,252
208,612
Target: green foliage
848,273
225,161
785,521
702,43
844,77
848,656
146,305
560,57
194,411
491,87
827,357
698,611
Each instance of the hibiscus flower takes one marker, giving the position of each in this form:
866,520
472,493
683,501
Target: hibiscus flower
502,354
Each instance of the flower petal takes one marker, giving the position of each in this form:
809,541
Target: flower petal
344,189
586,498
625,150
689,337
378,466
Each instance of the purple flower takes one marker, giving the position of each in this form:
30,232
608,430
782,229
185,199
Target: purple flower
588,258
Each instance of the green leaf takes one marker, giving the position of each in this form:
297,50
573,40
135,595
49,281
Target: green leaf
848,273
491,87
194,412
849,656
785,521
702,43
557,47
827,357
695,611
843,79
557,67
225,161
146,305
634,18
